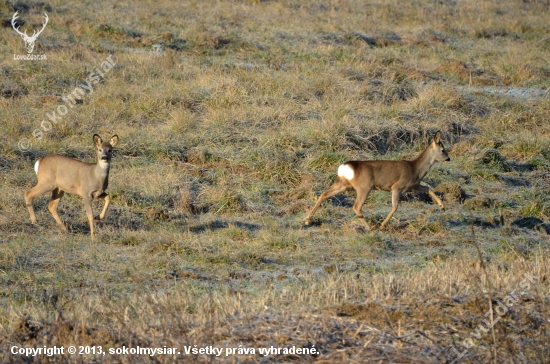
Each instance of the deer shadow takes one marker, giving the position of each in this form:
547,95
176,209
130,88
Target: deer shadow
218,224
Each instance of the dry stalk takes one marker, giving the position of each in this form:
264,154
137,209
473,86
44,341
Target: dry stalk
482,263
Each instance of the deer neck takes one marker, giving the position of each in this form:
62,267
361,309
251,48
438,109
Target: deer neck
102,172
423,163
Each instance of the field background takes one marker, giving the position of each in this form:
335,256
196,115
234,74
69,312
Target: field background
233,117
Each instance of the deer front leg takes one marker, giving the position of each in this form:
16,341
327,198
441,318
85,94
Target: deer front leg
432,194
107,202
395,193
89,213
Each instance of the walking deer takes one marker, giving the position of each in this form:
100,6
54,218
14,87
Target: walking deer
60,174
394,176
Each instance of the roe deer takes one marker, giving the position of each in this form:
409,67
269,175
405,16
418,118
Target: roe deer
394,176
60,174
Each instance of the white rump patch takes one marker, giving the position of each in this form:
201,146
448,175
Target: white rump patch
346,171
36,166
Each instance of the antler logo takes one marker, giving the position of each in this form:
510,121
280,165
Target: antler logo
29,41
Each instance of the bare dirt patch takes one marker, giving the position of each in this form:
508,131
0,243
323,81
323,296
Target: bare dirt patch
452,192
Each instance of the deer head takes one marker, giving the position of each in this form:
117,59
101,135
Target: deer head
29,41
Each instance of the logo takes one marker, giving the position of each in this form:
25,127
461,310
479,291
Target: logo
29,40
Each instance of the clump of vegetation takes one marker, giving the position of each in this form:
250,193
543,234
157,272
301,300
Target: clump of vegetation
389,93
493,159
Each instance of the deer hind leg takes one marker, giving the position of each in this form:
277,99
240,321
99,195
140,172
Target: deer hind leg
89,213
52,206
107,202
395,193
362,195
339,186
31,194
432,194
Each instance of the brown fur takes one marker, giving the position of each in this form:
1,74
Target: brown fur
60,174
394,176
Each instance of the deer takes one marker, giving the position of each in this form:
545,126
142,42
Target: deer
386,175
59,174
29,41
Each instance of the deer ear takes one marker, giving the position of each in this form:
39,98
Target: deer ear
437,137
97,140
114,140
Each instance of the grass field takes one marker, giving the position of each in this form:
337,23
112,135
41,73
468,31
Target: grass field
233,117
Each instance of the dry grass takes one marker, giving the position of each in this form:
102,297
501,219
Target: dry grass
232,118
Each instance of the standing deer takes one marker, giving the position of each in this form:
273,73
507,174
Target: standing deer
60,174
394,176
29,41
